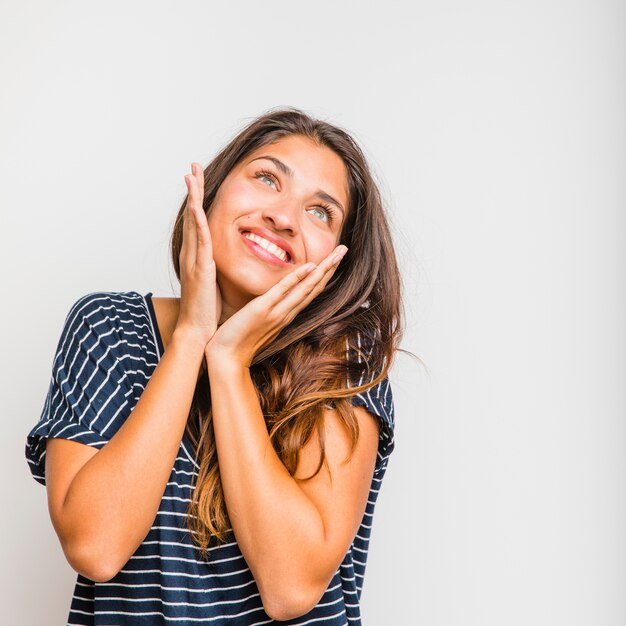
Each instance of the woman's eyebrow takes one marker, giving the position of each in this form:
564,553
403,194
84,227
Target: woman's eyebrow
328,198
285,169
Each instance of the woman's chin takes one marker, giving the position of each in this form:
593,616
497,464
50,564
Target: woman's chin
238,295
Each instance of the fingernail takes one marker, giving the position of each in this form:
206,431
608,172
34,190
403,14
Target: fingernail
340,254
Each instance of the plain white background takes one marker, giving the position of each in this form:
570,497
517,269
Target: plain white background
497,132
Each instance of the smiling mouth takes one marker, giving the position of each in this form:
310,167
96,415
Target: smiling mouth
270,247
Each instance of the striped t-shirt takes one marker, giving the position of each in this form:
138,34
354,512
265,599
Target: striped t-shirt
109,347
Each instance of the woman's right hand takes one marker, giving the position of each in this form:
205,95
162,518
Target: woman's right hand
200,298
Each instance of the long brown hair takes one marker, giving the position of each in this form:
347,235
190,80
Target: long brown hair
315,361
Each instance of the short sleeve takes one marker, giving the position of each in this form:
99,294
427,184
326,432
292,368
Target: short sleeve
378,400
90,388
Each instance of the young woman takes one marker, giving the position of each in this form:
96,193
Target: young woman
216,458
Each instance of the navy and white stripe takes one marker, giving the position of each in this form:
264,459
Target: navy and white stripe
109,348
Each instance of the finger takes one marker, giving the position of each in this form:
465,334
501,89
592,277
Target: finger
326,267
312,290
323,272
189,245
196,187
204,250
303,284
196,168
308,279
334,258
284,286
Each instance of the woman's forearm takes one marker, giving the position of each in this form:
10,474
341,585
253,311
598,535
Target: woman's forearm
112,501
278,528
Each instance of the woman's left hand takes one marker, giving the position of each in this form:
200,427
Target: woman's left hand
243,334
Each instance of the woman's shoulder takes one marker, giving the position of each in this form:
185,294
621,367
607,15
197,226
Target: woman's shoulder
113,318
106,312
106,302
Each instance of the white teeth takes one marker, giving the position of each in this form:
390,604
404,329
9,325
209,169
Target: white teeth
267,245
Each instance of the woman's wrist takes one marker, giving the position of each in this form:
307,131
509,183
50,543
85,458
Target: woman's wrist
188,337
221,359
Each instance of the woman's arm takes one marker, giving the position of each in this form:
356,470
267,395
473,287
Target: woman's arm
293,535
103,502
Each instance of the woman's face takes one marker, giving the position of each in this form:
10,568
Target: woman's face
282,206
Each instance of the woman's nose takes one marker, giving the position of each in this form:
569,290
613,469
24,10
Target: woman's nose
282,216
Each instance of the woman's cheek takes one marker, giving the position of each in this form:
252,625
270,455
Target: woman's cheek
321,247
242,196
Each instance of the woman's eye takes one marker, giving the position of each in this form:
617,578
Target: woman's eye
321,212
267,178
